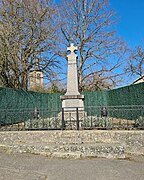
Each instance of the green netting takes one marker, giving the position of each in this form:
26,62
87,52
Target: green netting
124,99
98,98
129,95
125,96
13,103
19,100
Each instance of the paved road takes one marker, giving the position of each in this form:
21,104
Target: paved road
35,167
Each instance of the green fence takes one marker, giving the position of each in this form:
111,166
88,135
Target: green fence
13,102
120,98
129,95
98,98
19,100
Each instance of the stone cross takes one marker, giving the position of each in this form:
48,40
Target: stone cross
72,48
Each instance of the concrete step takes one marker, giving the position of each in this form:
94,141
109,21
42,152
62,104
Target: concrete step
71,151
115,144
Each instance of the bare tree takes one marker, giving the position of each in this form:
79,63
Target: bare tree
89,25
135,63
27,31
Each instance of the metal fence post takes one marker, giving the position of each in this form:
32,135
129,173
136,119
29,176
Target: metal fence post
62,118
77,118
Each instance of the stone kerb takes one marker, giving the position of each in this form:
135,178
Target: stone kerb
108,144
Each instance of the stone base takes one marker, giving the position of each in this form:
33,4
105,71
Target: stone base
72,101
71,116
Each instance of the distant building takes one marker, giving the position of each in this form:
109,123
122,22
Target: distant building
139,80
36,78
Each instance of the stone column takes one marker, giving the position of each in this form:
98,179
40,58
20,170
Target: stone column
72,98
72,78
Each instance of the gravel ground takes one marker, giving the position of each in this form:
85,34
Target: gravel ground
36,167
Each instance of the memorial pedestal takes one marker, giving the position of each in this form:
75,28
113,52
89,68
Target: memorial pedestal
72,101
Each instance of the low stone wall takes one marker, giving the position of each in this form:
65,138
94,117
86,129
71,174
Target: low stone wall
96,143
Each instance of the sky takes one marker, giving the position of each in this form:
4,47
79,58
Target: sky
131,20
131,23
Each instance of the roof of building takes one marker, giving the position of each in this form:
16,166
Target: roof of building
142,77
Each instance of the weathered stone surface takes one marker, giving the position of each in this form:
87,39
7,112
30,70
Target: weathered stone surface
75,144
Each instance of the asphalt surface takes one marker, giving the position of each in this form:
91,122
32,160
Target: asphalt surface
36,167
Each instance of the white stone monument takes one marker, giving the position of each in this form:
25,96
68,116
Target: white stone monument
72,98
